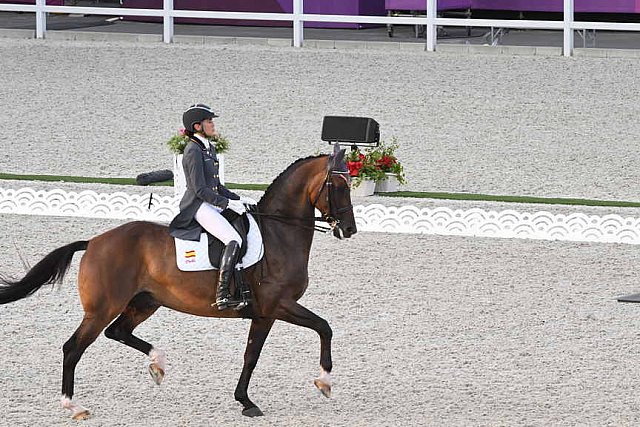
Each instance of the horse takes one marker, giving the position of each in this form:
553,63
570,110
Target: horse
130,271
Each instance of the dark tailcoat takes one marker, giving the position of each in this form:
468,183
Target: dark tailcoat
201,168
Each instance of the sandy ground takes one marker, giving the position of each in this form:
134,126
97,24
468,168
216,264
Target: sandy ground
504,125
427,331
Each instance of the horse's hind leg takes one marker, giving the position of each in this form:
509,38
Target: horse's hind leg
73,349
140,308
260,328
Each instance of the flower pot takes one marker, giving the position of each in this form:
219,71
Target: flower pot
365,188
180,182
387,185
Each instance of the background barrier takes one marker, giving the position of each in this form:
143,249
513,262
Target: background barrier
374,218
298,17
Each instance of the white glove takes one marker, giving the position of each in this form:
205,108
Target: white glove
248,201
236,206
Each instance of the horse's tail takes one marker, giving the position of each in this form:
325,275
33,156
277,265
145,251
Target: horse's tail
51,269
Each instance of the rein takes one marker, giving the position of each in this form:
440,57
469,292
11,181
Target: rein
286,219
329,218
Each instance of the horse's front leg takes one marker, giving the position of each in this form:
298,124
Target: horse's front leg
294,313
258,333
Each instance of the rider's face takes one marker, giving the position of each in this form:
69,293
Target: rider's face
209,128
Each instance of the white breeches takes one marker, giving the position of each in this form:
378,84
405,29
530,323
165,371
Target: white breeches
208,216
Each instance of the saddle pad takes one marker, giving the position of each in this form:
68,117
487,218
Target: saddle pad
193,255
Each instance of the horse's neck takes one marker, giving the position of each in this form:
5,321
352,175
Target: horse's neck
297,206
289,214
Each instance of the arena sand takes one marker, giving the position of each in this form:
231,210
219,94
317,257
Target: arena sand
520,125
427,331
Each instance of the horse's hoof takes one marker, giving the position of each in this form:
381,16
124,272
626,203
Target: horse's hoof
157,373
252,412
323,387
81,415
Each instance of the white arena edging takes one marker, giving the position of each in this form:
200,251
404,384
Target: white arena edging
378,218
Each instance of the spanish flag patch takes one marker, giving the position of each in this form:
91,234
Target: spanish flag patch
190,254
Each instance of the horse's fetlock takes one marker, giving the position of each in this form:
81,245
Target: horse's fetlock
111,333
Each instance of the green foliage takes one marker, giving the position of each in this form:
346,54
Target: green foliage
385,158
178,142
375,164
362,166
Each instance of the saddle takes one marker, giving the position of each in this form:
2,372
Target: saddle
204,254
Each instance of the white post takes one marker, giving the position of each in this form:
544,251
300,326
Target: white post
568,28
41,19
221,168
432,29
298,31
167,8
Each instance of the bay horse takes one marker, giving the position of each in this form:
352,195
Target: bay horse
130,271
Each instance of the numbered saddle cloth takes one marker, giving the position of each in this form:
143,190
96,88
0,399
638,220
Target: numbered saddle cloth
204,254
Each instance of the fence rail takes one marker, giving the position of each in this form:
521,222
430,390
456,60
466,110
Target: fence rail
431,21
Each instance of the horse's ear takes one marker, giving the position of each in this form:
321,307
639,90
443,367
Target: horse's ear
337,157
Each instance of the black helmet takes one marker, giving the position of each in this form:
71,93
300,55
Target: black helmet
196,114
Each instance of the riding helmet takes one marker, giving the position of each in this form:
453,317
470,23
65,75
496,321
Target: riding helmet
196,114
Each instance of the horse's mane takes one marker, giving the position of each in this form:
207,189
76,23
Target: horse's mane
287,172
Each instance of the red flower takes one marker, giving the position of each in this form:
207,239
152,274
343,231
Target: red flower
354,167
386,162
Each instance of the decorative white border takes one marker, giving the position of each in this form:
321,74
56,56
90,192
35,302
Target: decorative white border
389,219
504,224
26,201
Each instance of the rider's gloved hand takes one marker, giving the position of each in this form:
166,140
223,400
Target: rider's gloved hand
248,201
237,206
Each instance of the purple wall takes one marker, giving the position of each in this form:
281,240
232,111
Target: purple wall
607,6
339,7
48,2
329,7
422,4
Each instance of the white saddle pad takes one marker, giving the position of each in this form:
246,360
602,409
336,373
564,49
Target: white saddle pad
194,255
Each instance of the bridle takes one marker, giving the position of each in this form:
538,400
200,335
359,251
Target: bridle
330,217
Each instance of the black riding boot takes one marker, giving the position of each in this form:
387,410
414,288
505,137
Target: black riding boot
227,265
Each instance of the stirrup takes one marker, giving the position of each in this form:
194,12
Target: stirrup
228,302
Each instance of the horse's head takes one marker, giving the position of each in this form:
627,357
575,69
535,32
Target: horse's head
333,199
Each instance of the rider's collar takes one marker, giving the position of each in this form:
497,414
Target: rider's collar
204,140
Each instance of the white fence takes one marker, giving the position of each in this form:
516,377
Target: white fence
373,218
431,21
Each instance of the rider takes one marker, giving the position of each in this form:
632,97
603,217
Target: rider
206,197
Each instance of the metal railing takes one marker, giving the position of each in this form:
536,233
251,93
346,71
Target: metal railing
568,25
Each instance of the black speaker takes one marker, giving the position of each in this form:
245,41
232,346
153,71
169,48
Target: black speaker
355,130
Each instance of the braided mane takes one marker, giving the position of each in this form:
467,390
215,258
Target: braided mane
287,172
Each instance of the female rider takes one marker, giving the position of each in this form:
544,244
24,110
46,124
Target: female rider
206,197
